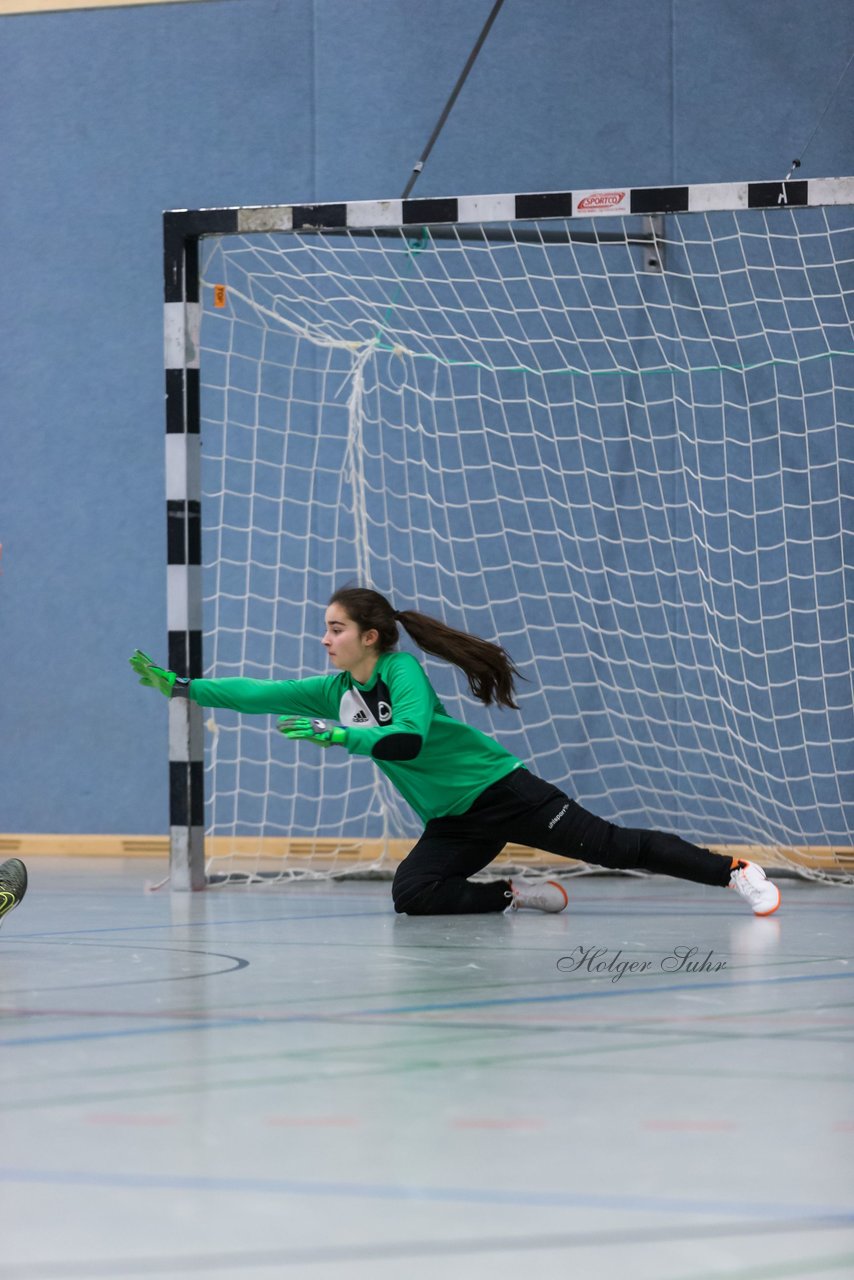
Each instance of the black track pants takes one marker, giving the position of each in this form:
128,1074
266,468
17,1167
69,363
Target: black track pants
523,809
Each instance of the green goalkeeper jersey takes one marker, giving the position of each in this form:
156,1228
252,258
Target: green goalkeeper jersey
438,764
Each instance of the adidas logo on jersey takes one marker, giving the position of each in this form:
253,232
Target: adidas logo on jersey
361,717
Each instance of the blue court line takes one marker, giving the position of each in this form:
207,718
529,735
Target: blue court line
605,912
613,993
645,910
345,1016
131,1031
833,1215
196,924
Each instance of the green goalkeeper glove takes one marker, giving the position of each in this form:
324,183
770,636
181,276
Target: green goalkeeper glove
156,678
319,731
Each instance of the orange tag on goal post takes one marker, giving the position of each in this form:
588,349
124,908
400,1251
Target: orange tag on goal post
219,295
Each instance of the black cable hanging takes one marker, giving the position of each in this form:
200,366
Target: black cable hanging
440,123
796,163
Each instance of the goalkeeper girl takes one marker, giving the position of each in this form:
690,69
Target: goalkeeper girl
472,795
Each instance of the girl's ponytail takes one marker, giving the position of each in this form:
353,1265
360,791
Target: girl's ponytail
486,666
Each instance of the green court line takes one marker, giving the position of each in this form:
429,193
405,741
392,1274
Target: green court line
450,1034
800,1267
414,1063
562,982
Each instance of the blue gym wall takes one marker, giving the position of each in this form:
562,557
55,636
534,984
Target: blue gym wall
107,117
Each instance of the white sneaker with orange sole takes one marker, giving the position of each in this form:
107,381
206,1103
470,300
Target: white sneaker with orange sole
752,883
546,895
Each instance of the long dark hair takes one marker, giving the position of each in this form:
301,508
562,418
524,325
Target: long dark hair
487,667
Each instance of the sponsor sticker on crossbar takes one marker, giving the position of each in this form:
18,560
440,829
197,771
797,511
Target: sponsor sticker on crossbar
599,202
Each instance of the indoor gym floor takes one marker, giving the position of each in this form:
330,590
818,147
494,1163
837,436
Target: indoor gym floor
244,1084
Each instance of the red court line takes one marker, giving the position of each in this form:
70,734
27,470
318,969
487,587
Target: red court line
312,1122
136,1118
689,1126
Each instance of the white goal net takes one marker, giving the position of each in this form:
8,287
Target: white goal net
622,457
